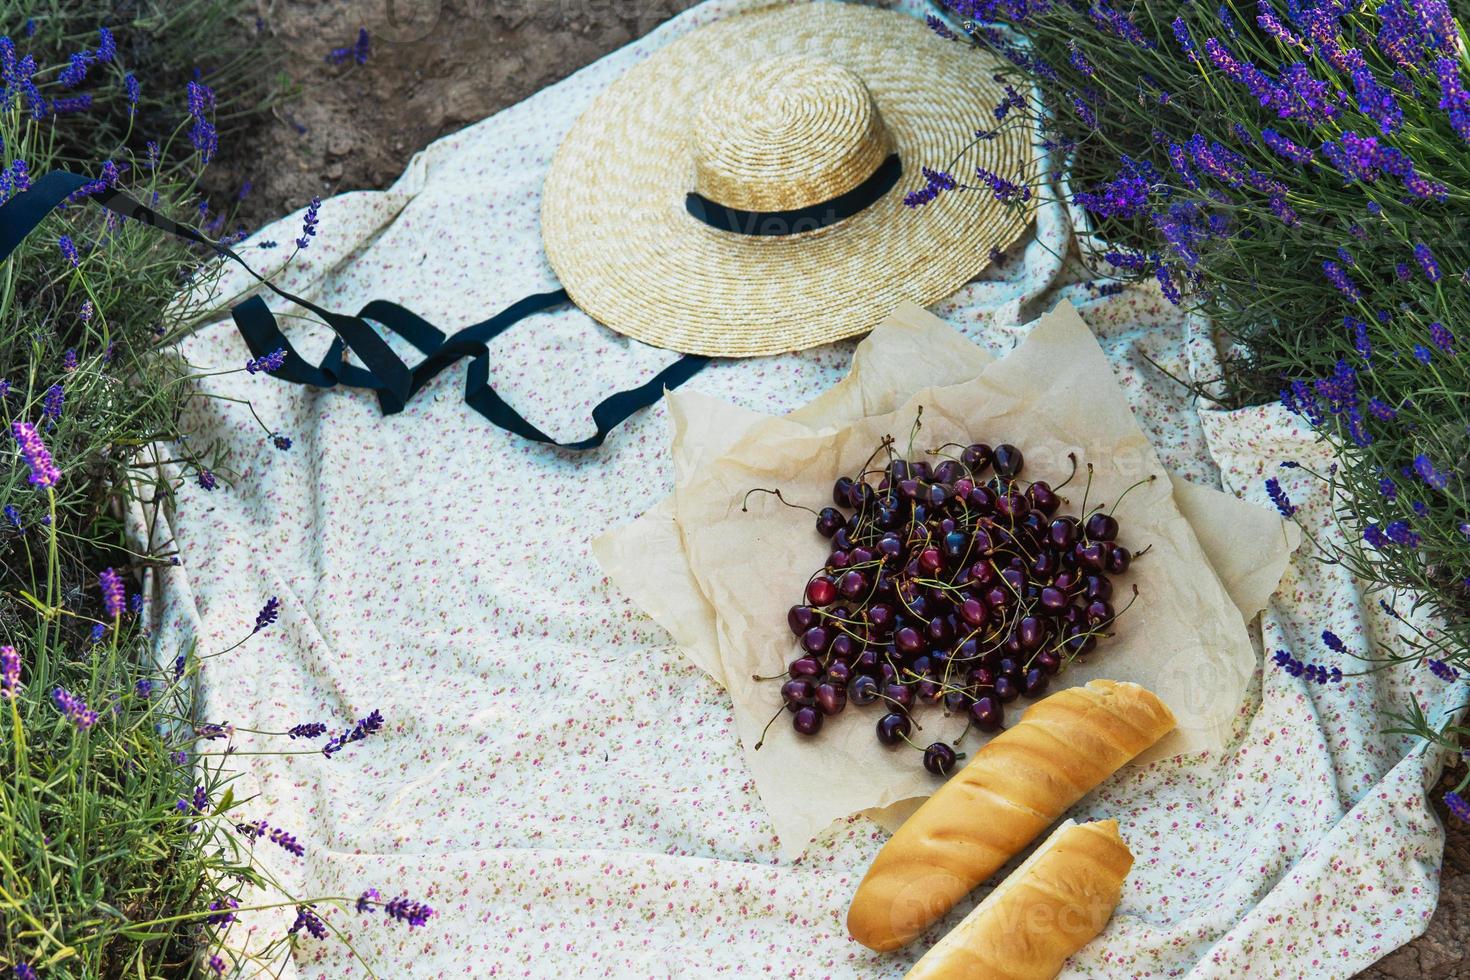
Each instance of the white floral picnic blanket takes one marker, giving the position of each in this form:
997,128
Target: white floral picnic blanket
554,777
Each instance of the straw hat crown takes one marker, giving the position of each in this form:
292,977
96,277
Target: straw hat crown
785,134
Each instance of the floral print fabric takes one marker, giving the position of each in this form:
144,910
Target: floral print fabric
553,776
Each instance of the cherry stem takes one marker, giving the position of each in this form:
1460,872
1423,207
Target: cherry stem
744,505
1139,554
1151,478
773,677
1088,489
779,712
1070,476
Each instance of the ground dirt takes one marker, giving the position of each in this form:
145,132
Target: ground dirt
438,65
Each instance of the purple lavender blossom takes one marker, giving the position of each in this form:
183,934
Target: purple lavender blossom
1434,478
1457,805
1083,110
940,27
1401,533
267,363
12,515
217,964
44,472
1268,22
310,729
97,633
306,918
1357,158
1079,61
1316,673
1241,72
134,90
75,72
1374,100
207,480
71,106
1279,498
1426,261
1443,671
1361,343
1333,642
1182,38
9,672
1284,147
369,725
69,250
223,909
202,134
1339,278
74,708
309,223
935,182
53,402
1452,96
286,842
1303,96
404,910
106,45
1004,190
366,900
281,442
24,971
1388,489
1441,337
114,594
268,614
1423,354
1381,410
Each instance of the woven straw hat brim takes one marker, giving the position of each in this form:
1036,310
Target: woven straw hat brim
616,231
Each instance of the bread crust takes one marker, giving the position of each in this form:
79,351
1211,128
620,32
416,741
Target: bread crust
1051,907
1014,788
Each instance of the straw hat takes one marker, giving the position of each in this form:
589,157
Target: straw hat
741,191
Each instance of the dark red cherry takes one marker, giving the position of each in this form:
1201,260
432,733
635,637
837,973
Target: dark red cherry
909,641
948,471
1044,565
930,561
1119,558
842,540
981,500
893,728
829,521
838,560
939,758
842,491
955,701
862,555
807,721
1049,662
939,631
1091,555
1013,505
1006,690
816,640
899,694
1098,587
977,458
853,584
862,690
972,611
805,667
1102,527
880,614
797,692
843,647
1031,631
1062,532
928,691
838,672
1098,612
801,619
955,543
987,713
1054,598
1008,460
981,678
867,662
1035,682
1043,497
831,698
938,494
821,591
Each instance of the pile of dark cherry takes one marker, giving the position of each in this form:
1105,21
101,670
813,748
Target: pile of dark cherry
945,587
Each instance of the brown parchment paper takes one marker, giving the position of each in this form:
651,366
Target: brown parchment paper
1188,643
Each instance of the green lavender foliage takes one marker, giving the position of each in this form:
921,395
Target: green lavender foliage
103,871
1244,232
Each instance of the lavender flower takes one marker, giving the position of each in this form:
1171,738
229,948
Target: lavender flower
12,514
1423,354
1440,335
286,842
217,963
1344,282
267,363
1284,147
143,688
202,134
69,360
1443,671
366,900
306,918
1361,343
1279,498
75,72
71,106
44,472
207,480
1084,111
195,805
1268,22
1079,61
935,182
106,45
1424,467
97,633
281,442
1356,158
53,402
940,27
1333,642
1453,98
73,708
268,614
404,910
1457,805
134,90
1004,190
309,223
24,971
1303,96
114,595
1401,533
311,729
1316,673
1425,258
9,672
369,725
1374,101
69,250
1381,410
1182,38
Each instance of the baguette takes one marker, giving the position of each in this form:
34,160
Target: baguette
1046,910
1015,787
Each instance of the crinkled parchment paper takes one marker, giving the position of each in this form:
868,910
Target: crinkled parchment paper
720,580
